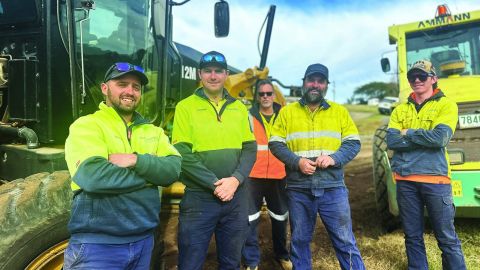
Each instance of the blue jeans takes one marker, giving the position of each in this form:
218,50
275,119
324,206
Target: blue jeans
334,210
202,215
86,256
273,190
412,197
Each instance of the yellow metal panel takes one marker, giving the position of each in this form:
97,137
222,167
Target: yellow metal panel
467,166
396,31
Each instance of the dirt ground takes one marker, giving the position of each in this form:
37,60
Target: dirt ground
358,178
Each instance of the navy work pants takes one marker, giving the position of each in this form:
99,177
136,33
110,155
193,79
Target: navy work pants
201,216
412,197
273,191
129,256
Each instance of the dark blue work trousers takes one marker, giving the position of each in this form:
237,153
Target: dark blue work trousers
412,198
201,216
334,209
273,191
129,256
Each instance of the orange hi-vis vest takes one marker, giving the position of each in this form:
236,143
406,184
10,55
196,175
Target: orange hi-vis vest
267,166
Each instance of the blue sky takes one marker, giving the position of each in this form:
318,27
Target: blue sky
349,37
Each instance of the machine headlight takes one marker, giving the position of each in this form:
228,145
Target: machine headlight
457,156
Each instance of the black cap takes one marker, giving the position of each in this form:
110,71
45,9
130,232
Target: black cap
213,58
120,69
316,69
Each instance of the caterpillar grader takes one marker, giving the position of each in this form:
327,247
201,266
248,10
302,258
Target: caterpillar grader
53,56
452,43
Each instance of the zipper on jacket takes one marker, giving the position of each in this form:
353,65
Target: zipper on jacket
219,114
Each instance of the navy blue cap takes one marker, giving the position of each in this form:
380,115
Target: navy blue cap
316,69
213,58
120,69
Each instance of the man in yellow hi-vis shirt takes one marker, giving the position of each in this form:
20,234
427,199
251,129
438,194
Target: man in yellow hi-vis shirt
418,133
117,159
212,132
315,138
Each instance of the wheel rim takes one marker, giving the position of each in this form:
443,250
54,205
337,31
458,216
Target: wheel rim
51,259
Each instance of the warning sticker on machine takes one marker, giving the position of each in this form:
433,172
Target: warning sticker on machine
457,188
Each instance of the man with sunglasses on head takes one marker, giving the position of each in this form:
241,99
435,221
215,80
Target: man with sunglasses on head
116,159
418,133
212,132
267,181
315,138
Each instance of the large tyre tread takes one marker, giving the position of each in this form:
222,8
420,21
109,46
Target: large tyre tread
389,222
31,209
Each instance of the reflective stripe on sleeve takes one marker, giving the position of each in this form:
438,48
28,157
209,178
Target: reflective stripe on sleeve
351,138
277,139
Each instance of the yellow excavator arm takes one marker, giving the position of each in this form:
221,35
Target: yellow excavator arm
241,85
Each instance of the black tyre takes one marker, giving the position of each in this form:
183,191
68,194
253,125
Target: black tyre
389,222
33,221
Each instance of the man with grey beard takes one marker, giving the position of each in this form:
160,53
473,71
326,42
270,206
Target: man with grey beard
315,138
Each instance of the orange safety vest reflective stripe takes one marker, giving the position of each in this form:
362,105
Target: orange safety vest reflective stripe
267,166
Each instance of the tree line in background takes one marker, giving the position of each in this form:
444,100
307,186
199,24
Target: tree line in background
371,90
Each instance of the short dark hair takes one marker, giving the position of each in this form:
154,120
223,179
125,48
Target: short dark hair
261,83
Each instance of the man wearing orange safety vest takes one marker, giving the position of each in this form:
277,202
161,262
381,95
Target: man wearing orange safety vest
267,180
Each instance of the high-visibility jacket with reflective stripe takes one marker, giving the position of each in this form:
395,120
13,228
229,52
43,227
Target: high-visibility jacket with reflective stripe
422,151
267,165
214,142
329,130
311,134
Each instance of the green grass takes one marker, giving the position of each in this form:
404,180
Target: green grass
388,251
362,108
366,118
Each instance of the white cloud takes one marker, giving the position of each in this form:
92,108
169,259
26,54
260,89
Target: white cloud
349,43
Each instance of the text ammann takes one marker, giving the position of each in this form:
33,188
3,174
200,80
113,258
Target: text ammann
444,20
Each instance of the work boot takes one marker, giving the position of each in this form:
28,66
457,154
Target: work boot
285,264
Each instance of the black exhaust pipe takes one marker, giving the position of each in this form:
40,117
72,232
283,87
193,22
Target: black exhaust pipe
28,134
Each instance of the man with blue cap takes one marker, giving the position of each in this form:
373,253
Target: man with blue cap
212,132
315,139
117,159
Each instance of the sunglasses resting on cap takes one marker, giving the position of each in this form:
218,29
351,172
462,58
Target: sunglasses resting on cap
122,68
213,58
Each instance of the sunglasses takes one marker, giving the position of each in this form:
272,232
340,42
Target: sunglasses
124,66
421,77
265,94
213,57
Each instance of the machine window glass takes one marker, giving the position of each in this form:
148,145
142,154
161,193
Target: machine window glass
453,50
14,12
118,31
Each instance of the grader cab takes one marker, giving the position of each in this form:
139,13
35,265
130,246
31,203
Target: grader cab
53,56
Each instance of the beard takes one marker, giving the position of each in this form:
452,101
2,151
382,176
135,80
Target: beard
314,95
123,108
